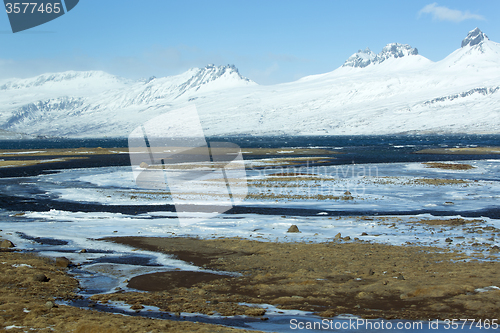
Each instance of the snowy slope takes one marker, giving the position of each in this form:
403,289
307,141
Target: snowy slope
394,91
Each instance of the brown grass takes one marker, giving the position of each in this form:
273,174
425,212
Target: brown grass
291,179
23,299
448,166
92,328
438,182
461,151
274,196
194,166
453,222
294,160
328,278
61,152
19,163
290,174
245,151
301,151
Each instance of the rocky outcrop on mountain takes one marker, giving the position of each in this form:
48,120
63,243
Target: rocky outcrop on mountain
474,37
367,57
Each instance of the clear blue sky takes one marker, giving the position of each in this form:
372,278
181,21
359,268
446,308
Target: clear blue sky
270,41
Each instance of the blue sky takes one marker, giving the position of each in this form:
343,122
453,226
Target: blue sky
271,41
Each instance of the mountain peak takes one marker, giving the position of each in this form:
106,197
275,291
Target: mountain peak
366,57
474,37
396,50
213,77
360,59
211,72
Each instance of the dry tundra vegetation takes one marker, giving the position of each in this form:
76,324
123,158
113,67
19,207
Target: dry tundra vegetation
449,166
31,285
339,276
461,151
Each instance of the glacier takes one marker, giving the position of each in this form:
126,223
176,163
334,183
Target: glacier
397,91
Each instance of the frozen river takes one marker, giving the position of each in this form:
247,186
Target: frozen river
63,212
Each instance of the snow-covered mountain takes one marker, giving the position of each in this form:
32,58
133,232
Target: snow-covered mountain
394,91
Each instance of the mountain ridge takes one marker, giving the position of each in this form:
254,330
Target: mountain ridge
394,91
56,78
367,57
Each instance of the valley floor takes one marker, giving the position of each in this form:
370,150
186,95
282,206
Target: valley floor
330,279
312,241
30,305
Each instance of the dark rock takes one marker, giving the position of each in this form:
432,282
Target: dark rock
6,244
371,272
341,278
364,234
50,305
40,278
448,240
62,262
137,306
293,228
255,312
401,277
338,236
